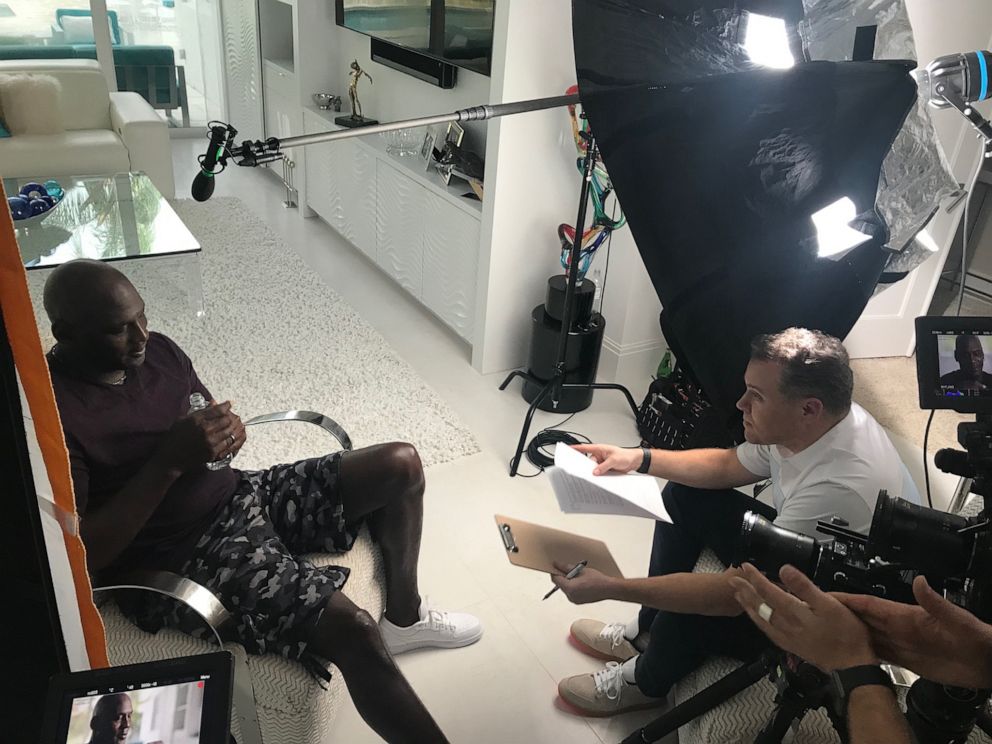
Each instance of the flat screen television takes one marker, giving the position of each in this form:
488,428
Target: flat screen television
458,32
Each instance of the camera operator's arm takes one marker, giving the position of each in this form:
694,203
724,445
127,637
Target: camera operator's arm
699,468
691,593
818,628
937,639
874,717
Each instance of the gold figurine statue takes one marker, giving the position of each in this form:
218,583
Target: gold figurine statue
356,119
356,75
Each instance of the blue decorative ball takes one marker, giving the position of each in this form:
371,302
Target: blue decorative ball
54,189
33,190
38,206
49,200
19,207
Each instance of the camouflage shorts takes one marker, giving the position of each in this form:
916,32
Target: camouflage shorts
250,559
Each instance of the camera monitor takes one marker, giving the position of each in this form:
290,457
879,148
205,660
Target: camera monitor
954,363
185,700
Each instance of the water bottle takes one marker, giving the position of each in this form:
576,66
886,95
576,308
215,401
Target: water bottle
665,368
197,403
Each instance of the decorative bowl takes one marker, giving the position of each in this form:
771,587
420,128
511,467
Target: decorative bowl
327,101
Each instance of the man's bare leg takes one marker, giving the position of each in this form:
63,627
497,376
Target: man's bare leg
349,637
385,483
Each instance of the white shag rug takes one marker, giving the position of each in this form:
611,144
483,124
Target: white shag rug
276,338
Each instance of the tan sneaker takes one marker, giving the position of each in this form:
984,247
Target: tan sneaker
604,693
602,641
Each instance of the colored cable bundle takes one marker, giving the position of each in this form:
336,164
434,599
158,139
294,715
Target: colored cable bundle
602,224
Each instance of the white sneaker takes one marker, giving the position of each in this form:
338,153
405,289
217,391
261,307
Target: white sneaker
436,629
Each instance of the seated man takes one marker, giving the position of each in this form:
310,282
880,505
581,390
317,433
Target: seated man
147,501
825,456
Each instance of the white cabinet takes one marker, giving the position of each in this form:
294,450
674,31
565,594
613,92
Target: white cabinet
341,185
451,264
417,230
357,184
399,226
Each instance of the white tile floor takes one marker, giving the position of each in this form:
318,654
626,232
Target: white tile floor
504,688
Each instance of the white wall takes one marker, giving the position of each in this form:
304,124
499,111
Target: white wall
945,27
325,50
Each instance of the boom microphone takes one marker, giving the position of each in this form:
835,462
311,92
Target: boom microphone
203,182
969,75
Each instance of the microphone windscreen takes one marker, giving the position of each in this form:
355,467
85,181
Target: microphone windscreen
203,186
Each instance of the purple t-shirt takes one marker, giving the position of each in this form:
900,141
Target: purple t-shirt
112,430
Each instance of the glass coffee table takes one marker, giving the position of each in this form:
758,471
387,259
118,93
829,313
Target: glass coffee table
118,217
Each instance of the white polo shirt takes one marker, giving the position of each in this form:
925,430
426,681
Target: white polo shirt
838,475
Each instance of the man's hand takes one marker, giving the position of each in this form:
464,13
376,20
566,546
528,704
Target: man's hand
812,624
937,640
201,437
611,458
589,586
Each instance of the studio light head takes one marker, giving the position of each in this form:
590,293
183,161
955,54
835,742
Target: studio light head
966,75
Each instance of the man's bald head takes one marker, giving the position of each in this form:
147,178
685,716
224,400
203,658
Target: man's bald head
970,355
81,286
97,316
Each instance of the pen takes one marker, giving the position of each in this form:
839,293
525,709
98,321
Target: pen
570,575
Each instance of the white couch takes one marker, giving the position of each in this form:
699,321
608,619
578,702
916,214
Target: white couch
104,132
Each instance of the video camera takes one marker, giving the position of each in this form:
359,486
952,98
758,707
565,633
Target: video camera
953,552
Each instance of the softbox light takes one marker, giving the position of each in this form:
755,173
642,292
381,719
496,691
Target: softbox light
721,165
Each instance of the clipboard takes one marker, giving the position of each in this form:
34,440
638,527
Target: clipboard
537,547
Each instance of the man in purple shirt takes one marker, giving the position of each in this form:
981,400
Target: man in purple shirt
147,500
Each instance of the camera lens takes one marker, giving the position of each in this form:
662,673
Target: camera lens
770,547
926,539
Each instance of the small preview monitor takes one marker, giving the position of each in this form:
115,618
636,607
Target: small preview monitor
177,701
954,363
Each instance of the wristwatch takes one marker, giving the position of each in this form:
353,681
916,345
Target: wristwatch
844,681
645,460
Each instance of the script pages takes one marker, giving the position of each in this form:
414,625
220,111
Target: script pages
580,492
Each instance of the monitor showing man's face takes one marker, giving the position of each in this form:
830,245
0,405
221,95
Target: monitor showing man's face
962,364
111,722
969,355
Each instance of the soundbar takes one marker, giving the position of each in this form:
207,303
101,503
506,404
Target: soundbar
425,68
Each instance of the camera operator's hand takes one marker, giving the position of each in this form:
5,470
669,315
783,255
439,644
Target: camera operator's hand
610,458
937,639
589,586
201,437
812,624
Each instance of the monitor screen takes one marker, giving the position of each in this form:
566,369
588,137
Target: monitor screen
459,32
180,701
954,363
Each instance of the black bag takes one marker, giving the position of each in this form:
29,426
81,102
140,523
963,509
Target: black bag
675,415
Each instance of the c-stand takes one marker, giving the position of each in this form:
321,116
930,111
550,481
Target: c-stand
557,384
801,688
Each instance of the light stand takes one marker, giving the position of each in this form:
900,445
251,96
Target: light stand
557,383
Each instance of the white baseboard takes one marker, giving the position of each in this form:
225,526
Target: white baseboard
631,365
